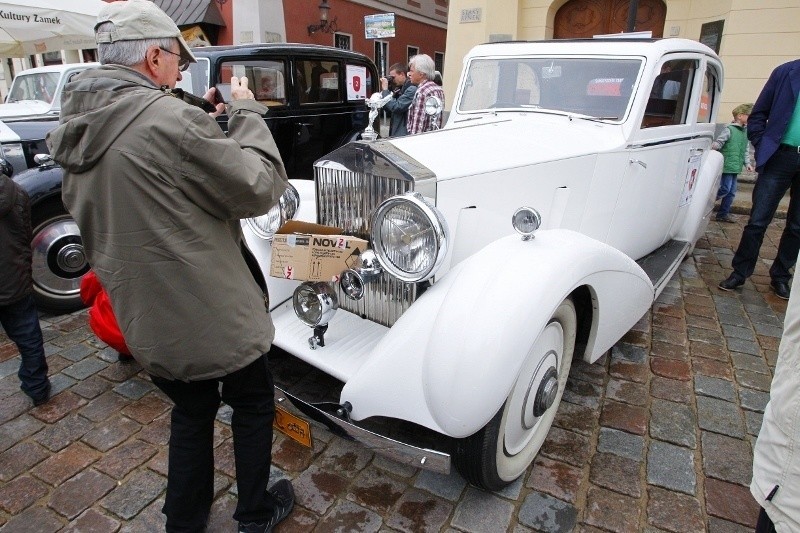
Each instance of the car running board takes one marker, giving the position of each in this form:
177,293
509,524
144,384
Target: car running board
663,262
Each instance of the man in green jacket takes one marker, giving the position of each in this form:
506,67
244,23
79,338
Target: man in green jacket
157,191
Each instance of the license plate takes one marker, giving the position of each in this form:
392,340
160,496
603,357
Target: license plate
292,426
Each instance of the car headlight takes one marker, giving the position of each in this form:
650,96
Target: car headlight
410,237
266,225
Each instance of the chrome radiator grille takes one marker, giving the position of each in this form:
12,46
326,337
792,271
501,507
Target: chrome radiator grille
347,200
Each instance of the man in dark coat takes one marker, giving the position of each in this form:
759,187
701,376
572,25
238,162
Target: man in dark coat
398,106
774,130
17,309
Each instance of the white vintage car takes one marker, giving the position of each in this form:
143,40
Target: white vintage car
450,339
36,92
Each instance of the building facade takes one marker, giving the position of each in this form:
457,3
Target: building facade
419,26
752,38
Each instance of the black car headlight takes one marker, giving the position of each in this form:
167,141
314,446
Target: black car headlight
409,237
266,225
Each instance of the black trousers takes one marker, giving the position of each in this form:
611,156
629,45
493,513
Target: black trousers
190,478
780,174
764,524
21,322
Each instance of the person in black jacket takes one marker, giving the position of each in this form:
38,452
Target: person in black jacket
774,129
403,96
18,313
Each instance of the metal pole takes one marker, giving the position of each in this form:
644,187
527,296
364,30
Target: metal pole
633,6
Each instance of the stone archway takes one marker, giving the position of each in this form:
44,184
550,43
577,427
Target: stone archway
585,18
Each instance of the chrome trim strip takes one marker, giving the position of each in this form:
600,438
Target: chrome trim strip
670,141
400,452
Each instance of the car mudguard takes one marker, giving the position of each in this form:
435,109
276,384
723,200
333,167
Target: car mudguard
450,361
41,183
699,213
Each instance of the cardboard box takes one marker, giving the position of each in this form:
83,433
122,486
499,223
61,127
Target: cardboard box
311,252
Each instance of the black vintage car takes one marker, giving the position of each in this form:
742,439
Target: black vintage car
316,98
315,94
21,139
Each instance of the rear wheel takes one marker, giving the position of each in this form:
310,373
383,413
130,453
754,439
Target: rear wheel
59,261
503,449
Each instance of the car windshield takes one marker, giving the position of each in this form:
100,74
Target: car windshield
596,87
40,86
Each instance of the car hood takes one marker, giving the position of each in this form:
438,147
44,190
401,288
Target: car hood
25,108
492,143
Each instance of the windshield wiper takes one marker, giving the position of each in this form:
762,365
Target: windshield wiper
590,118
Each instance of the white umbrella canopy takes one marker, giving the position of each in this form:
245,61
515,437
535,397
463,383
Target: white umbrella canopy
38,26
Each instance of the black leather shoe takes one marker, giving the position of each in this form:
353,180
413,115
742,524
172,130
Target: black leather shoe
283,493
781,289
42,398
733,282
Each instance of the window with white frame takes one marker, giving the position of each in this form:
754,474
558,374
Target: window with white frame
343,41
382,57
438,60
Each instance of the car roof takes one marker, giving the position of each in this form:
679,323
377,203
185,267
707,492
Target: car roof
298,49
58,68
625,46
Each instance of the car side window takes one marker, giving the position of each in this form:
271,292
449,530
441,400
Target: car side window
267,80
670,94
318,81
195,78
707,96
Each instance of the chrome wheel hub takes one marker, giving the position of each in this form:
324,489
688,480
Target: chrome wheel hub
59,260
546,395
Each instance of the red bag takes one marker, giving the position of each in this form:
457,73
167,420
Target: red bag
101,315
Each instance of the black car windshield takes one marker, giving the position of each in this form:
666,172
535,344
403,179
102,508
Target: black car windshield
595,87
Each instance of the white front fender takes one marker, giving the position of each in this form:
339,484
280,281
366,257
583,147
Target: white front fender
452,358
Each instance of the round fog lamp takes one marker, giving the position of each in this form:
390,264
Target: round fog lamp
315,303
352,284
526,220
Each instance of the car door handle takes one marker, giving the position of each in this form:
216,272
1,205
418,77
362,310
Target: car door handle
308,124
637,162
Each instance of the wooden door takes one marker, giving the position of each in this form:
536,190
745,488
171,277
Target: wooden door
586,18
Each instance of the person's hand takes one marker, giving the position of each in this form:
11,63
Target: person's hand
750,168
384,84
209,97
239,90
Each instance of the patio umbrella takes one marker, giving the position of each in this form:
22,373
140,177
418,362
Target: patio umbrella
37,26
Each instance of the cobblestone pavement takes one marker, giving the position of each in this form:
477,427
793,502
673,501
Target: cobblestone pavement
657,436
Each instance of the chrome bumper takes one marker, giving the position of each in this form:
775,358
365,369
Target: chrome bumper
400,452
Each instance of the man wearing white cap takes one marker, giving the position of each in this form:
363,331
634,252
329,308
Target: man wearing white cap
157,191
